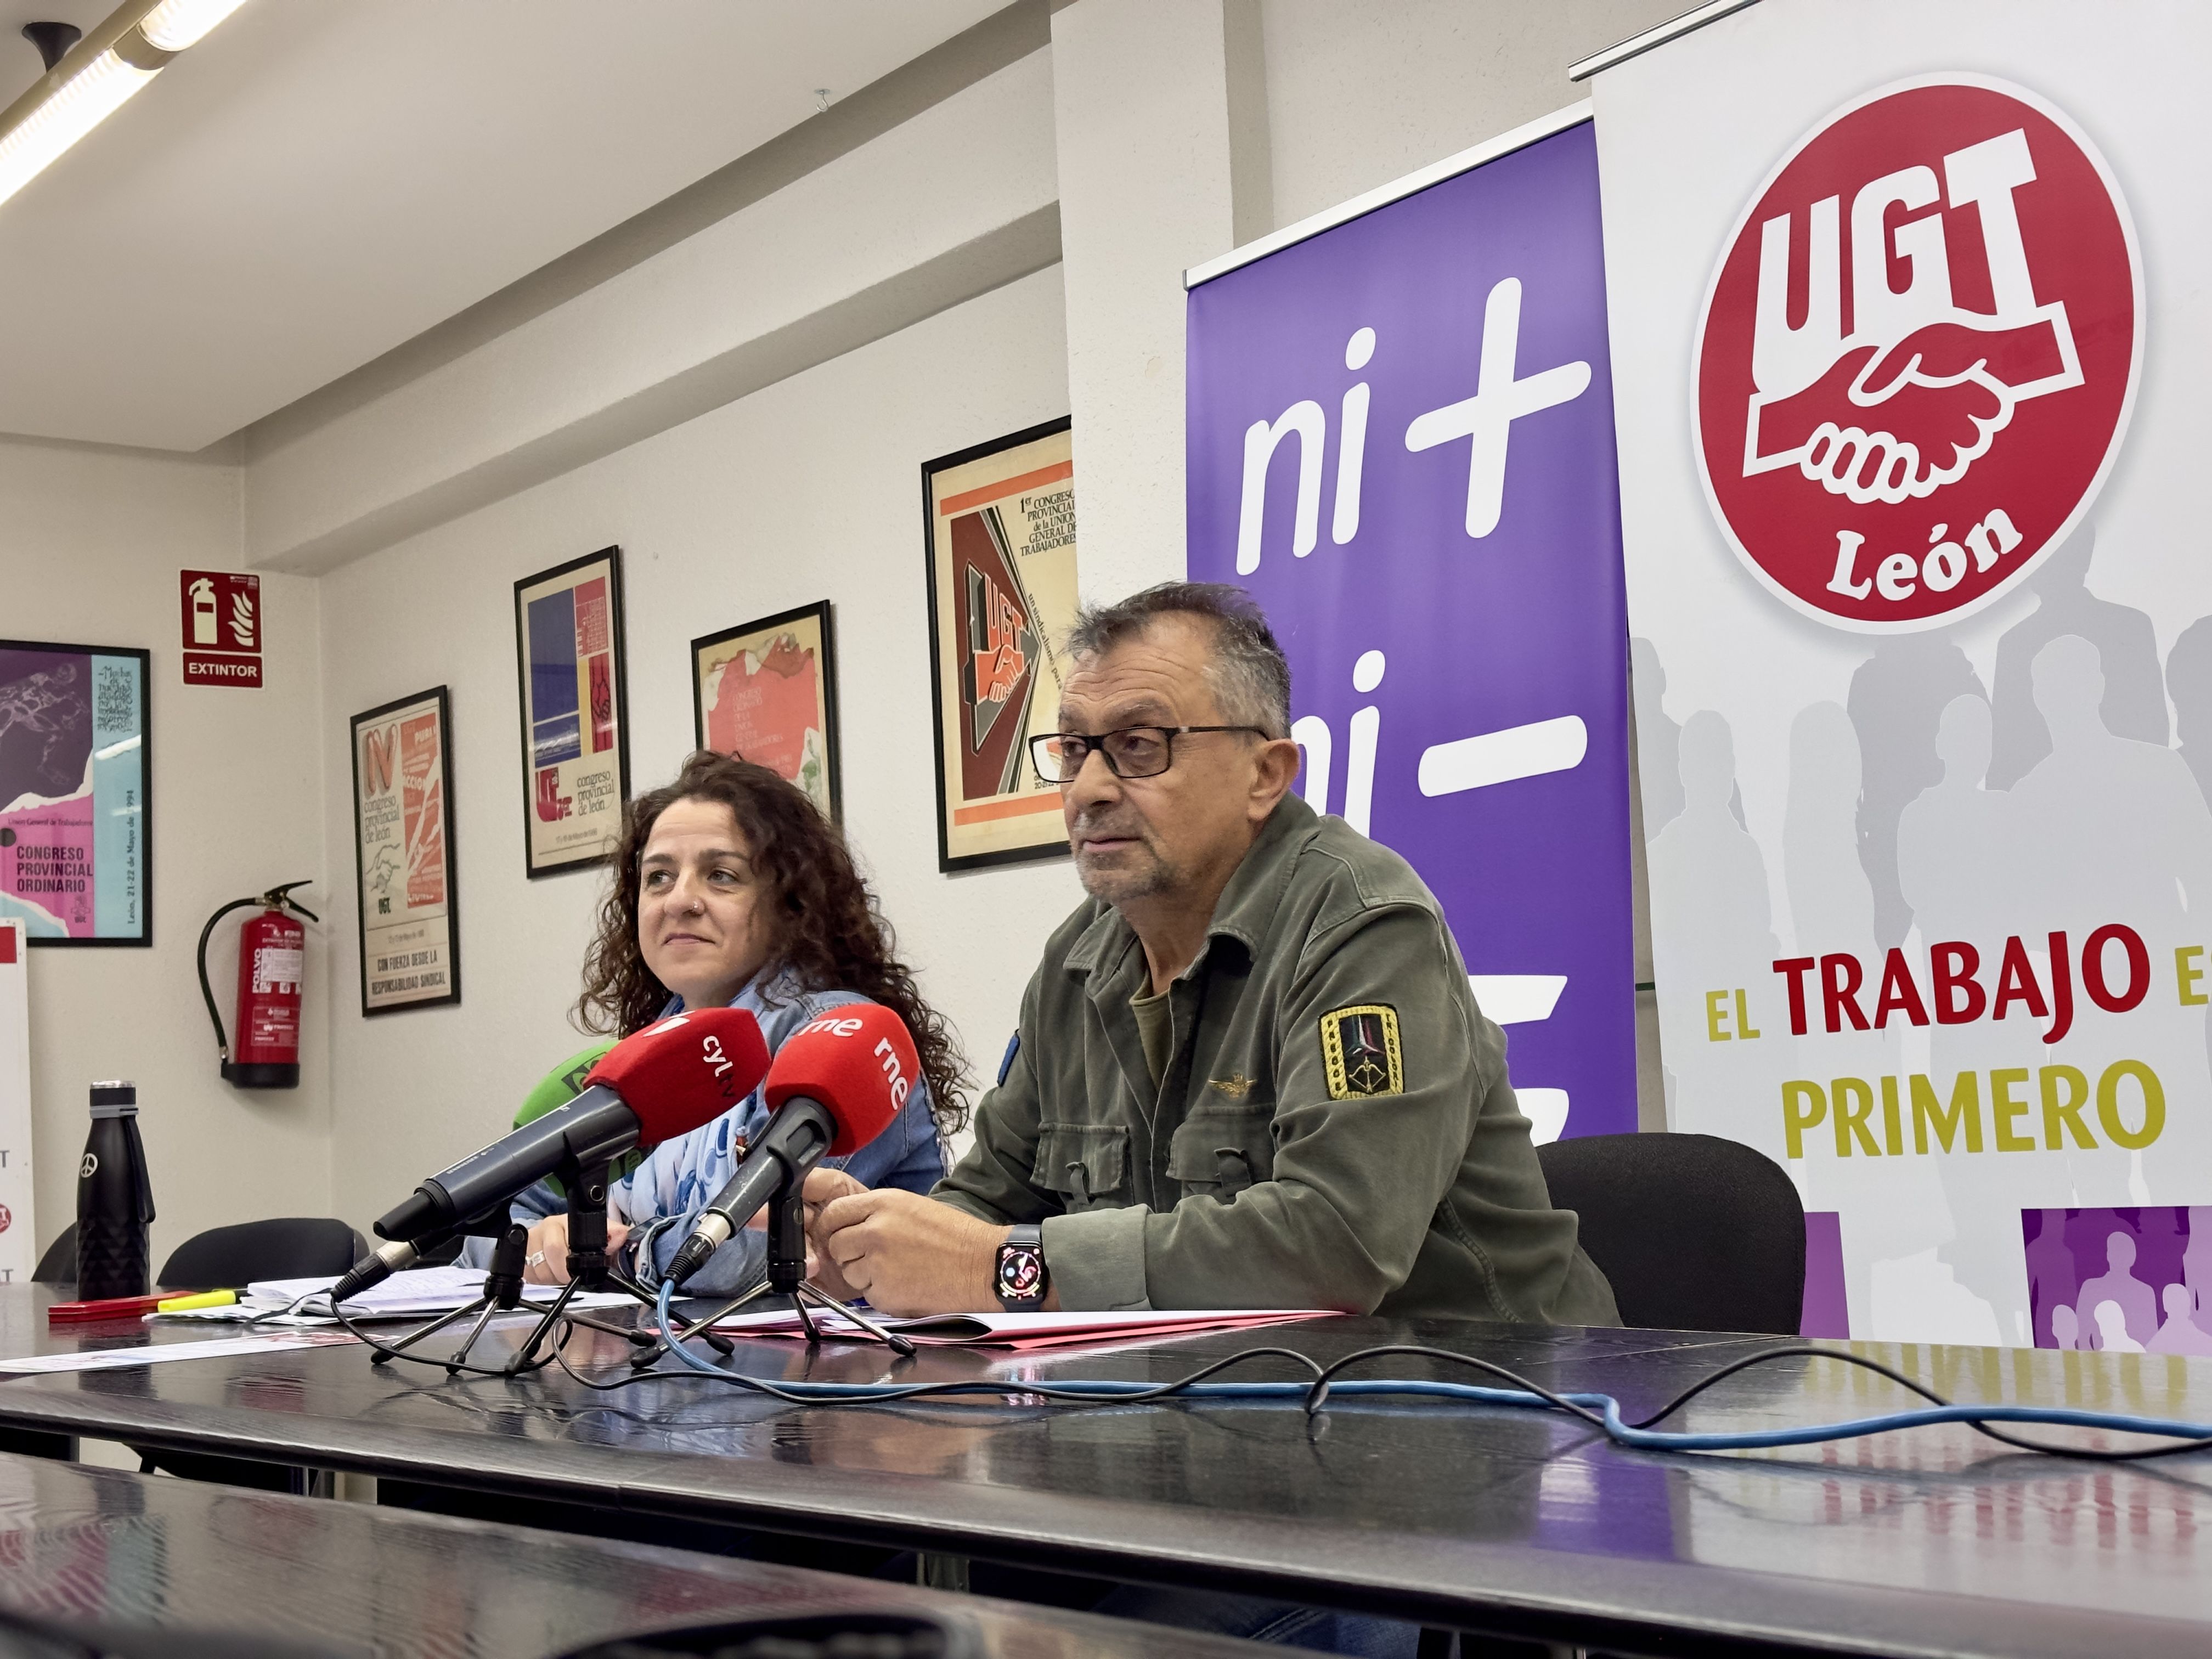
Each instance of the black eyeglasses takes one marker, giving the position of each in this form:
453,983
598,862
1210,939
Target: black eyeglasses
1133,751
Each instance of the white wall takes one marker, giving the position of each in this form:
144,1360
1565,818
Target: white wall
807,490
944,205
90,545
1361,92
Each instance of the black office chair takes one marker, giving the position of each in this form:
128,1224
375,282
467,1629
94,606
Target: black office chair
230,1258
284,1246
58,1265
1696,1233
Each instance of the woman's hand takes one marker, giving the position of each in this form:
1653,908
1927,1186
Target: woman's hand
547,1258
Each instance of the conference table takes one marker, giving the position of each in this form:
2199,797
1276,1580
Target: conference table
247,1572
1513,1522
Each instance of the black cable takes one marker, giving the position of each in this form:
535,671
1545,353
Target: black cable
2003,1436
1318,1396
447,1365
947,1390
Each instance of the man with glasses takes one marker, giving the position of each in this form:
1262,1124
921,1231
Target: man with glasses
1249,1072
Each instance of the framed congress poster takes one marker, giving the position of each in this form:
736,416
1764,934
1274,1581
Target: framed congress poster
766,692
575,712
402,825
76,825
1000,532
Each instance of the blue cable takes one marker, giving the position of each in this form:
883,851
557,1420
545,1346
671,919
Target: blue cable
1616,1428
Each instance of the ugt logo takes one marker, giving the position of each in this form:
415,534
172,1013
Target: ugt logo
1918,354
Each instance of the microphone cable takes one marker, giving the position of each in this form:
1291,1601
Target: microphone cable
1601,1412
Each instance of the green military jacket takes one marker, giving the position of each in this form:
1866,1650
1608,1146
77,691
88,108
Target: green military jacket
1334,1128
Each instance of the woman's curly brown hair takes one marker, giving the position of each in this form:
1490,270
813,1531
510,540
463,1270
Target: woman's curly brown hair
830,932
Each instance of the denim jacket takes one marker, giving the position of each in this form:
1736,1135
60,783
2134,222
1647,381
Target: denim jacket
680,1176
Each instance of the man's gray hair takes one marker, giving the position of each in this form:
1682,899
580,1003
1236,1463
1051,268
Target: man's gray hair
1250,676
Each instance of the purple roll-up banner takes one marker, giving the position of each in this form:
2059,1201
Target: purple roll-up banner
1400,440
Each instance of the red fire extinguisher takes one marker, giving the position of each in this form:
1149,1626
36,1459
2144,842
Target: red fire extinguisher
271,972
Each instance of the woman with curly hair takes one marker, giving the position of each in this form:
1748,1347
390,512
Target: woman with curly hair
730,888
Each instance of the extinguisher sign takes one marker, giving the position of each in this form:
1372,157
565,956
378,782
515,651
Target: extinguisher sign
221,615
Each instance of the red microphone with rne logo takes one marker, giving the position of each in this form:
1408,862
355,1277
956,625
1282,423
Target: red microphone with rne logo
836,1084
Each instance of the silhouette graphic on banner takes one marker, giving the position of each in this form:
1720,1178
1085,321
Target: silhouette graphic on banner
1897,696
2128,1280
2189,682
2133,702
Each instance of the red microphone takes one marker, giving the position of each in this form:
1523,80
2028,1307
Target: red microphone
857,1063
836,1084
666,1080
683,1072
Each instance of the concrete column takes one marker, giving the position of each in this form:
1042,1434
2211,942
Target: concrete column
1142,112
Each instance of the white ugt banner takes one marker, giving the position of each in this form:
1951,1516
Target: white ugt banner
19,1233
1908,323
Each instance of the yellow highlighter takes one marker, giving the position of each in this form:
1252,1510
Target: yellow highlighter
205,1299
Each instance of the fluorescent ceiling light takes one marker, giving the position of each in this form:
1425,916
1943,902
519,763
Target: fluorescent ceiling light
95,79
175,24
76,107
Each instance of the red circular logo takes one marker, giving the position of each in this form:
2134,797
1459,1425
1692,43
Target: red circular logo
1917,355
7,1219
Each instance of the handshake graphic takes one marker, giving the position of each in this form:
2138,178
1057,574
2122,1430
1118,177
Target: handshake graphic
1894,420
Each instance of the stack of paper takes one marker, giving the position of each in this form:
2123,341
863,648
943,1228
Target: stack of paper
1032,1330
418,1293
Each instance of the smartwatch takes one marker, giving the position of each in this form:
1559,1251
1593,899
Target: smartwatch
1021,1281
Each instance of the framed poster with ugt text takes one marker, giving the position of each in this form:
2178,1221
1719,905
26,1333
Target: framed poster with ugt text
766,691
403,817
76,830
1000,537
575,713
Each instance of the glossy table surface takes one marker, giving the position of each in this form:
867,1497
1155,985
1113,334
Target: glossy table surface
1927,1542
101,1547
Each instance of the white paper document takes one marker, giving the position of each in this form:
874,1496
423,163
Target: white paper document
221,1347
419,1292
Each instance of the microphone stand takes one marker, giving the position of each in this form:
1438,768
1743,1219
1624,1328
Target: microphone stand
502,1292
787,1270
586,1185
589,1270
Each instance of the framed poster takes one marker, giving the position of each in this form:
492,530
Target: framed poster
575,712
766,692
403,824
76,830
999,530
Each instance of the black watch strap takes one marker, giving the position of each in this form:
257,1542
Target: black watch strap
1021,1281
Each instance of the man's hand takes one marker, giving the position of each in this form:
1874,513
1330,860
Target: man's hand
822,1186
548,1255
907,1254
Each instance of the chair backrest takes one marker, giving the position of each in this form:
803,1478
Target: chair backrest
288,1247
1696,1233
58,1265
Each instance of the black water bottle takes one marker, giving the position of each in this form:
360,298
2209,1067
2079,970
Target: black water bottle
114,1201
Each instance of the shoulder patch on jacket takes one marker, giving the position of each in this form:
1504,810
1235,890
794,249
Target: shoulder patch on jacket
1360,1051
1013,1048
